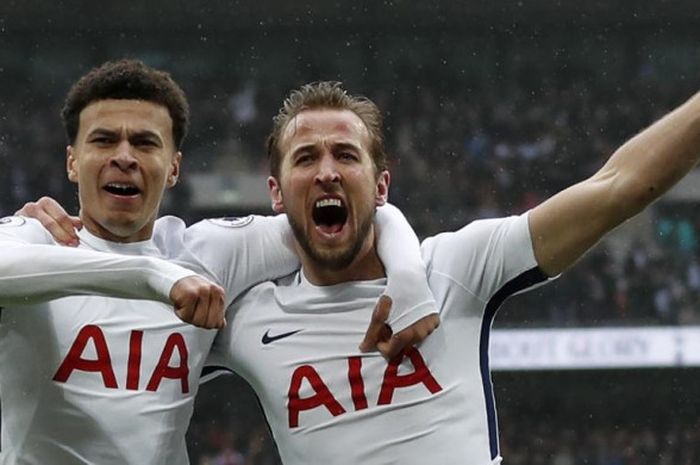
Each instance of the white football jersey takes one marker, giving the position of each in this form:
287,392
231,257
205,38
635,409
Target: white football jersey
100,380
327,403
240,252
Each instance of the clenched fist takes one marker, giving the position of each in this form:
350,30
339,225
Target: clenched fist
199,302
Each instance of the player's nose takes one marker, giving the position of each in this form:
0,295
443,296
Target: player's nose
327,169
123,157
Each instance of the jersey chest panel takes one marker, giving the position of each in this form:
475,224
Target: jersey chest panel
90,367
316,387
90,336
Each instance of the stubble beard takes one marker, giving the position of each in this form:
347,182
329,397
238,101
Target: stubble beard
334,259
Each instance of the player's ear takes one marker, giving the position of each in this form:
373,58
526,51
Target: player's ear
382,193
71,164
174,174
275,194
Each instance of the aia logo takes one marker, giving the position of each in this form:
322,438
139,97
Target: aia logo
323,397
102,364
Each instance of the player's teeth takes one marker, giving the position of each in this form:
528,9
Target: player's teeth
329,203
120,186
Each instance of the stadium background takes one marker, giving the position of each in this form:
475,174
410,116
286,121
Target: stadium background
491,107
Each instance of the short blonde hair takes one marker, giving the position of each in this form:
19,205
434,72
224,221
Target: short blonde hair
327,95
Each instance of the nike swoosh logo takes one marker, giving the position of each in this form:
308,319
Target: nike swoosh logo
266,339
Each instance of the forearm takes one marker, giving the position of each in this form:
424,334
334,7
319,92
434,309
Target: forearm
407,282
397,243
242,252
655,159
31,273
565,226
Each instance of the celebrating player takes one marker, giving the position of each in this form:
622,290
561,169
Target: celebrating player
96,379
432,404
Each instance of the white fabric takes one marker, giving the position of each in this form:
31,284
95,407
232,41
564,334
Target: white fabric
109,415
74,415
113,414
291,330
34,270
397,245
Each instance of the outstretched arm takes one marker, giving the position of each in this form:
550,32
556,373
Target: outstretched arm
38,272
564,227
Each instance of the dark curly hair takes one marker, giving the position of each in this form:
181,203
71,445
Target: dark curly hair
122,80
327,95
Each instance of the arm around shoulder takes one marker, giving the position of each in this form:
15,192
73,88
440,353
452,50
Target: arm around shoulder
41,271
241,252
407,281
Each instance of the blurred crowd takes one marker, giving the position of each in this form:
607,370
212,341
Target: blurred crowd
607,444
544,437
542,444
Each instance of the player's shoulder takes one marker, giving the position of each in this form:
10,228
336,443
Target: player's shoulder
13,221
478,245
488,225
481,257
168,232
169,223
229,222
231,225
478,230
27,229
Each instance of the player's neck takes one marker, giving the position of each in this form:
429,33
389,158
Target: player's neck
112,235
365,266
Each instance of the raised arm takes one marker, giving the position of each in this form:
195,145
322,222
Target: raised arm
564,227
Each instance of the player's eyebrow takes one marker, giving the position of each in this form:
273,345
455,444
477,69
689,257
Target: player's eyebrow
346,146
309,147
335,145
103,132
134,136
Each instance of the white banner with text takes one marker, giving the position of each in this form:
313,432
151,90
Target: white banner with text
592,348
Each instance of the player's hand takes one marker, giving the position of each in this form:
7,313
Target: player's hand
379,335
199,302
55,219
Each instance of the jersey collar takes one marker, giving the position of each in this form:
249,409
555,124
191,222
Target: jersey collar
94,242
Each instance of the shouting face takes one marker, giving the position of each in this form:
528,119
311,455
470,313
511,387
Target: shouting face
329,186
123,159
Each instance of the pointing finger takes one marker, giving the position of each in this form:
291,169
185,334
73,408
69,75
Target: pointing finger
377,329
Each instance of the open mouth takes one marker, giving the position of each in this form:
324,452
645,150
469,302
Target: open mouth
122,189
330,215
